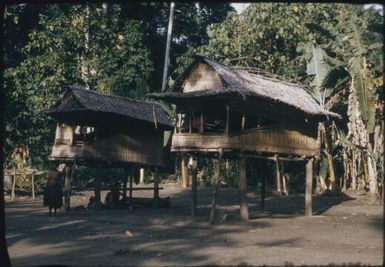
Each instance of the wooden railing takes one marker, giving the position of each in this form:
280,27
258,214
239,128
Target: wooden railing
269,140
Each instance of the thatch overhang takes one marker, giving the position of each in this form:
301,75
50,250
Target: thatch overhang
88,106
247,87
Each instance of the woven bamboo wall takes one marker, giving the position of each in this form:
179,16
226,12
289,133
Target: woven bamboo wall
146,149
264,140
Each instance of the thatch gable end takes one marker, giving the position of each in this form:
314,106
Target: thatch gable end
237,83
78,100
202,77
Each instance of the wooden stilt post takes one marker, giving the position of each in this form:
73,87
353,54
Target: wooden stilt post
244,210
284,183
278,175
130,193
141,179
194,187
201,126
184,171
13,184
217,180
263,193
227,130
125,178
33,185
67,187
243,121
309,188
97,188
156,188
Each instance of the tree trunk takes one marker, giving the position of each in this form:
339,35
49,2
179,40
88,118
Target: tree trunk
332,177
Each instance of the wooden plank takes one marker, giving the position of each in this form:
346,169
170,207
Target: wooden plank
244,209
309,188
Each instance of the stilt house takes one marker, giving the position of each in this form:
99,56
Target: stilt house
94,127
98,130
224,110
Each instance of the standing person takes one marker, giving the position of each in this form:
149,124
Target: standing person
53,194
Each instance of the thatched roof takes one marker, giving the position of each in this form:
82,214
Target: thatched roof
242,84
77,100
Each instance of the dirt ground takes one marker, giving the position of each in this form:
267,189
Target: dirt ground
344,230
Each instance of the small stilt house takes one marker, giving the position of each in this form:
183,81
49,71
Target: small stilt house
98,129
225,111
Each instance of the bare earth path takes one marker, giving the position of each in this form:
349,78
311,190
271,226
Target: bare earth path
344,230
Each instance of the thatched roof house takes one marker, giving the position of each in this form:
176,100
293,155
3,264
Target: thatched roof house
228,81
78,104
251,109
231,113
94,127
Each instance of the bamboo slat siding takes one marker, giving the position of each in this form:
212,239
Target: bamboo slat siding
275,141
145,149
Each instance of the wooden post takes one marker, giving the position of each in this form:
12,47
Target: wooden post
189,123
125,178
156,188
33,185
97,188
201,127
227,130
284,184
217,180
263,193
67,187
278,175
184,171
141,179
243,121
194,188
309,188
130,193
244,210
13,184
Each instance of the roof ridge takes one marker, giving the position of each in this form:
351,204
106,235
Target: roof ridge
76,87
253,74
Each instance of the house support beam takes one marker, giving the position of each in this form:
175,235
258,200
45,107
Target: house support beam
67,186
244,210
184,171
217,180
156,189
309,188
194,187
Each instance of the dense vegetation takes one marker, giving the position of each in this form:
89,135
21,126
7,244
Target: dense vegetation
334,49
